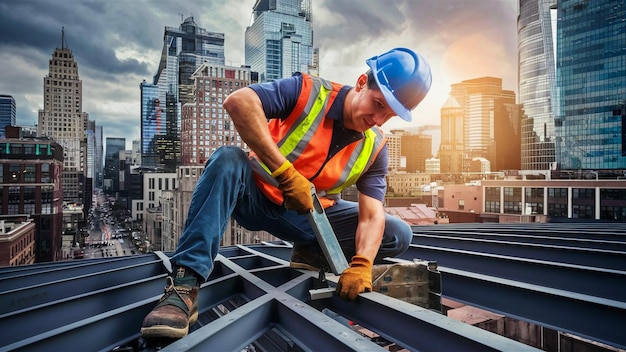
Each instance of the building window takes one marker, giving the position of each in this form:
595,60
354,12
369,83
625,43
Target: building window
492,192
13,200
559,210
29,173
580,211
583,193
14,173
512,207
492,206
557,193
615,213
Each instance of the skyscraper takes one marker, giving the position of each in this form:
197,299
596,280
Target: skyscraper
416,148
279,42
505,151
91,149
591,76
393,149
98,160
206,126
451,149
7,113
152,122
184,49
63,119
112,163
479,99
537,82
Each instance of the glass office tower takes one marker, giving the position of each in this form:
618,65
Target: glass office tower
482,101
184,49
152,123
279,42
99,166
112,164
7,112
537,82
591,76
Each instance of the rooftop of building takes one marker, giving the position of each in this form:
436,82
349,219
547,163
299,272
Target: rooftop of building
569,277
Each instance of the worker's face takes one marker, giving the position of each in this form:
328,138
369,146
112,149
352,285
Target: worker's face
368,108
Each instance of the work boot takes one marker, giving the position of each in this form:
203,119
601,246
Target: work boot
308,257
176,311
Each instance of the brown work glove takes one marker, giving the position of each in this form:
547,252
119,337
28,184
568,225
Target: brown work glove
355,279
296,190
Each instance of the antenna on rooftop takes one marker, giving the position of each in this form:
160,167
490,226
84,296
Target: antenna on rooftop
63,40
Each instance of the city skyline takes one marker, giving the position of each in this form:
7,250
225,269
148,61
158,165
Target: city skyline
118,44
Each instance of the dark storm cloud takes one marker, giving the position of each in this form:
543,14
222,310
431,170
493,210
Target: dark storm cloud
88,27
358,20
116,44
428,20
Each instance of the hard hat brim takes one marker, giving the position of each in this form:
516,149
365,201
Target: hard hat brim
395,105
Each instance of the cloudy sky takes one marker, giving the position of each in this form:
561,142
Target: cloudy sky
117,44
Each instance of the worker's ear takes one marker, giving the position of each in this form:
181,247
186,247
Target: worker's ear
361,82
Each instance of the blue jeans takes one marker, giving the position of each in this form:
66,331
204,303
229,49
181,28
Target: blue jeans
226,188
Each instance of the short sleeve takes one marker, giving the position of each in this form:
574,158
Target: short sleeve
372,183
279,97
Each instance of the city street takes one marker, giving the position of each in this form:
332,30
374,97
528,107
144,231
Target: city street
100,244
102,241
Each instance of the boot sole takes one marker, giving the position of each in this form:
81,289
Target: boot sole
165,331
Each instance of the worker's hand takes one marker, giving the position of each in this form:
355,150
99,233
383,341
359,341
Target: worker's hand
296,190
355,279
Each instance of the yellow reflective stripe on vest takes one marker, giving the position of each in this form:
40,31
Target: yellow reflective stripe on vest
300,131
359,164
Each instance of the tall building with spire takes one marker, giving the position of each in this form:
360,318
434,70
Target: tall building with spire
63,119
184,49
279,41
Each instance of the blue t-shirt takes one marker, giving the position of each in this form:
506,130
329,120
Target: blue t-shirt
279,97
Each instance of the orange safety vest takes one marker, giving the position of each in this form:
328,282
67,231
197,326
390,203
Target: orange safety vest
304,138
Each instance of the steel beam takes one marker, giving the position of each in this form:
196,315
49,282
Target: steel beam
419,329
268,304
555,252
592,317
575,278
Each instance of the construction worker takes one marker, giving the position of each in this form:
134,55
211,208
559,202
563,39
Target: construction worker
320,132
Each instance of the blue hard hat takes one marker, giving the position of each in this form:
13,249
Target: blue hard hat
403,77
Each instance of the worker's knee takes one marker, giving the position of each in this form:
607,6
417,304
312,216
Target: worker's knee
402,233
225,164
227,155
